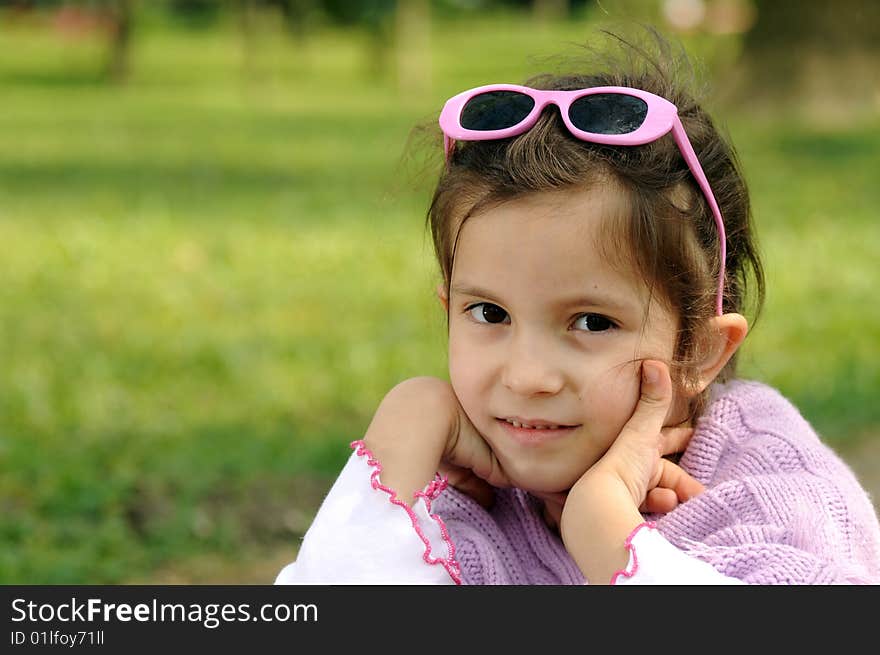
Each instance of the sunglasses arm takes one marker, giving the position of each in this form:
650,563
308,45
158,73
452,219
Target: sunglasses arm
687,150
448,145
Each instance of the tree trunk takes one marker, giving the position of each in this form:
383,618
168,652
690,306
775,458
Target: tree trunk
413,28
121,14
550,10
295,13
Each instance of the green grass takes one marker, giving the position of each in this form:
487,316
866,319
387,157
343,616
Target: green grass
212,274
819,339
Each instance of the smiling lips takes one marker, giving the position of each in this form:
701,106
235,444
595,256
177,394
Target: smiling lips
532,432
535,423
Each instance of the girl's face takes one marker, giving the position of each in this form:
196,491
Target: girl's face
543,331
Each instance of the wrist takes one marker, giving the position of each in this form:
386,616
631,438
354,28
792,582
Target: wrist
598,517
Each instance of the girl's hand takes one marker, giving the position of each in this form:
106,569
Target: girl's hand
420,428
635,458
602,508
469,463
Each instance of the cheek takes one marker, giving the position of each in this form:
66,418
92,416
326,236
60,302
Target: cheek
467,370
609,402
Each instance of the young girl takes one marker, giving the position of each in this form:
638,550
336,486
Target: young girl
595,244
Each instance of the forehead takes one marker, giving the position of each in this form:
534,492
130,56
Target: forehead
547,243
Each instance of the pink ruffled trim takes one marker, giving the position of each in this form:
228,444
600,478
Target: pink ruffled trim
634,559
429,494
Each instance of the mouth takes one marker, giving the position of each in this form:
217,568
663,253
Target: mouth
534,423
534,431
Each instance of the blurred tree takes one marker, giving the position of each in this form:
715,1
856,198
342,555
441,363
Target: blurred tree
824,54
256,19
196,13
377,18
246,14
351,12
120,14
112,20
551,9
296,14
413,33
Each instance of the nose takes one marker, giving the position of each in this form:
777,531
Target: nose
529,368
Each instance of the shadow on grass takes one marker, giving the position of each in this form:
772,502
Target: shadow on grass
78,177
106,508
838,149
54,79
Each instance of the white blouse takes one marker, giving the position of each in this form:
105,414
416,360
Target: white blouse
363,535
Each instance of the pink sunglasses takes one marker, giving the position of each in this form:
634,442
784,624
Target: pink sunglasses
610,115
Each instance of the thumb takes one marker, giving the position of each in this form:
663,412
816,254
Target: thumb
654,400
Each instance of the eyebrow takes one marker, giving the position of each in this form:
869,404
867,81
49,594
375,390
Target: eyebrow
598,300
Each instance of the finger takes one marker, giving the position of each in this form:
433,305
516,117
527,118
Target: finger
678,480
656,395
675,440
660,500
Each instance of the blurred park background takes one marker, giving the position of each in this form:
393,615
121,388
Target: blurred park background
214,262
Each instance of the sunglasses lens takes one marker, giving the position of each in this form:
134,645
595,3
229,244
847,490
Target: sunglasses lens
608,113
496,110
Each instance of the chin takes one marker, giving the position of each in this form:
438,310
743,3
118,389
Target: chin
545,481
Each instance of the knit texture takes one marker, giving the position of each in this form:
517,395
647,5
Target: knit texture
780,507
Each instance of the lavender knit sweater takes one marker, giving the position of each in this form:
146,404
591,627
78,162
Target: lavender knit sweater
779,507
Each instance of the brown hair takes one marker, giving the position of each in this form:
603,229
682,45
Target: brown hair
668,235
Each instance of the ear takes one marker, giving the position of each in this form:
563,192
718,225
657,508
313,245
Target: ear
727,334
442,295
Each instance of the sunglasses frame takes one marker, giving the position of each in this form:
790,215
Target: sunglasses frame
661,119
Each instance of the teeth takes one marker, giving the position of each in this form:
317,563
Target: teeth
517,424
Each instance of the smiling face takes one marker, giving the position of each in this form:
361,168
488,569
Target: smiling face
542,330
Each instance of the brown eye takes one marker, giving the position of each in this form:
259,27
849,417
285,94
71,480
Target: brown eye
594,323
486,312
